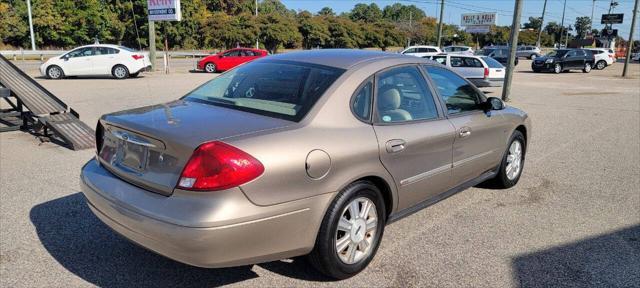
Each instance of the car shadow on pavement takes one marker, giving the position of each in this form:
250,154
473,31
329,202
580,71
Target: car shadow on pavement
609,260
89,249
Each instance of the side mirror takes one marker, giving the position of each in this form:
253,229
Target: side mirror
65,58
494,103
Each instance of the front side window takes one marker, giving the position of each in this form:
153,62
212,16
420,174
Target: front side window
82,52
403,95
409,51
231,53
458,94
361,103
276,89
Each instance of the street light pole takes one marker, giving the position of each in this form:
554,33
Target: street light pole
562,24
544,9
33,40
440,24
513,40
593,7
630,46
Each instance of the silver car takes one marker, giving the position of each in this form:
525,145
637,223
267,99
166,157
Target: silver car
307,153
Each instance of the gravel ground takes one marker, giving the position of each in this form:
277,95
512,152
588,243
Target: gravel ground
572,221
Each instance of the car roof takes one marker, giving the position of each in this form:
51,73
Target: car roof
422,46
338,58
101,45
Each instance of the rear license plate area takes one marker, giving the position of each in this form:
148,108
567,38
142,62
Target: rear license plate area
132,156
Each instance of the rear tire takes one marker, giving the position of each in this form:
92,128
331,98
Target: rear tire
55,72
587,68
340,254
533,56
120,72
601,65
512,161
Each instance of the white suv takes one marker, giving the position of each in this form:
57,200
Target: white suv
465,50
482,71
421,51
603,57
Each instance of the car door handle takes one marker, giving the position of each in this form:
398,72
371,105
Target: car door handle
396,145
464,132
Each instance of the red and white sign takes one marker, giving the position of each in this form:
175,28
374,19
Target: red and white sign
479,19
164,10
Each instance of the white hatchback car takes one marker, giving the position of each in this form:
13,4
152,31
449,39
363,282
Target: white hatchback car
96,60
603,57
421,51
482,71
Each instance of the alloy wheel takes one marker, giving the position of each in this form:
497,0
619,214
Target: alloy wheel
120,72
600,65
587,67
210,68
557,68
514,160
54,73
356,230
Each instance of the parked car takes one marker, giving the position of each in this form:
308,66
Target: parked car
529,52
635,56
309,152
482,71
603,57
96,60
421,51
466,50
564,60
226,60
500,54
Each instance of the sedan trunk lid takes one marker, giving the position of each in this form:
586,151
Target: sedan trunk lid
150,146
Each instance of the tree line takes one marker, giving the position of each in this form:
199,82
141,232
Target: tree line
209,24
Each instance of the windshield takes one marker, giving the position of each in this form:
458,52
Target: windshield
492,63
557,53
284,90
486,52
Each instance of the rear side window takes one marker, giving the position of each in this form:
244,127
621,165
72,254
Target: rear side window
466,62
361,103
282,90
492,63
458,94
402,95
440,59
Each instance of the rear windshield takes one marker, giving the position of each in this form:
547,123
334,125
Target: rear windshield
492,63
285,90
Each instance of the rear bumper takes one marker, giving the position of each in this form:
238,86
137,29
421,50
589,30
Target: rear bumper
144,69
205,229
487,82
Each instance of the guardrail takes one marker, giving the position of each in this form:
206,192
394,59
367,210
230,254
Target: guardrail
41,54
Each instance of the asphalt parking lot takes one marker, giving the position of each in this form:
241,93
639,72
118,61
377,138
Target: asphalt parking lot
572,221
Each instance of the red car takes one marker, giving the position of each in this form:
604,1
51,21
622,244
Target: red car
228,59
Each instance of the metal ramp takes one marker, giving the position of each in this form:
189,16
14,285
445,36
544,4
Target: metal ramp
32,107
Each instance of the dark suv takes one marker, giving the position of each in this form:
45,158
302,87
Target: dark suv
564,60
499,53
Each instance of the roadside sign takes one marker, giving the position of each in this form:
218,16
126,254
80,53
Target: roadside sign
164,10
475,19
611,18
610,32
478,29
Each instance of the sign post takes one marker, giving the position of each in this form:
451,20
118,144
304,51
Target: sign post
161,10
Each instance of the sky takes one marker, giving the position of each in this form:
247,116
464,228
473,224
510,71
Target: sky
454,8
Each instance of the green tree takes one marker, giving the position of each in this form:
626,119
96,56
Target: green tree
534,23
314,31
13,30
344,33
277,30
326,11
367,13
399,12
226,31
582,26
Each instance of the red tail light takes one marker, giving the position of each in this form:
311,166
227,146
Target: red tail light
486,72
218,166
137,57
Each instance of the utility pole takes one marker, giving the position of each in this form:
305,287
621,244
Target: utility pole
513,39
593,8
257,44
152,44
562,24
440,24
630,45
544,9
33,40
410,29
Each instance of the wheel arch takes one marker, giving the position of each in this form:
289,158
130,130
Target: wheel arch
46,69
523,130
385,189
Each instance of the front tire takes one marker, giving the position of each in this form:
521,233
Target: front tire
512,161
210,68
54,72
587,68
350,232
557,68
120,72
601,65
